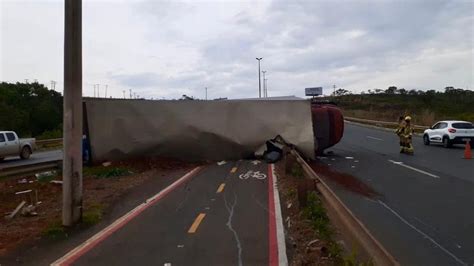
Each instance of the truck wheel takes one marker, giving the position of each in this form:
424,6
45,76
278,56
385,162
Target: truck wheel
25,153
446,142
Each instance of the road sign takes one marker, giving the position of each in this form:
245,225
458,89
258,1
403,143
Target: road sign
315,91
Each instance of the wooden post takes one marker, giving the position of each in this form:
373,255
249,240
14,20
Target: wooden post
72,117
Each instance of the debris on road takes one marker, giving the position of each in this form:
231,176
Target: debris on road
22,181
310,243
347,181
17,209
45,175
23,192
221,163
29,210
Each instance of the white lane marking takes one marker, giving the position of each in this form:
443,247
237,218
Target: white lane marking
282,259
369,137
413,168
422,233
349,157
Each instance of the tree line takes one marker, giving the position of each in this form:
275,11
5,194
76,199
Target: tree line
31,109
452,103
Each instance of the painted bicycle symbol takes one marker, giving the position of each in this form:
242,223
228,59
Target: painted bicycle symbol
253,174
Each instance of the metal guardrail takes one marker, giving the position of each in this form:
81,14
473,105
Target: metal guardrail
49,141
31,168
380,123
352,225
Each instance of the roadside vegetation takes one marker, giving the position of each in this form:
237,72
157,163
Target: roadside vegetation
31,109
425,107
312,239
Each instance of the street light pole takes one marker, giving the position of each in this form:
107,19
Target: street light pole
72,118
264,71
259,80
206,93
265,89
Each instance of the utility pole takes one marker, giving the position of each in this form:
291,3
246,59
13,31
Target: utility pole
106,86
72,118
53,85
334,90
264,71
94,90
123,94
259,80
98,90
206,93
26,81
130,93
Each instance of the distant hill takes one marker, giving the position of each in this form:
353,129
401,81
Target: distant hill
31,109
426,107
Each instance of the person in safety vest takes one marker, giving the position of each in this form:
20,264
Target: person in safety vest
407,135
399,131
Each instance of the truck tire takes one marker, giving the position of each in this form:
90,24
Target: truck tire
25,153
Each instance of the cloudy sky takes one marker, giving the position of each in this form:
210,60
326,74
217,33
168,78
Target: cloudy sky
164,49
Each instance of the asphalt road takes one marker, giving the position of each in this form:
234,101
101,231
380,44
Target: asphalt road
424,211
36,157
213,218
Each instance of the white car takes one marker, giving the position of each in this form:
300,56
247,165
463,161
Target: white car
449,132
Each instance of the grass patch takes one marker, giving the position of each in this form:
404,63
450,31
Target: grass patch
92,215
55,231
106,172
315,212
297,170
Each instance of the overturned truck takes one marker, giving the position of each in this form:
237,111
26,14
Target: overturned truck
206,130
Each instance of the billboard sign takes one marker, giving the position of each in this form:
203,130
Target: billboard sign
315,91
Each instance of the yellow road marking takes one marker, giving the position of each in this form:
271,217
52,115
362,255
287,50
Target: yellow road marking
234,169
196,223
221,188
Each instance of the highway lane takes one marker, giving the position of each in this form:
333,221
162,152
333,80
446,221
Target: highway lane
36,157
424,213
215,217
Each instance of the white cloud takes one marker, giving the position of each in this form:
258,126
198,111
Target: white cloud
168,48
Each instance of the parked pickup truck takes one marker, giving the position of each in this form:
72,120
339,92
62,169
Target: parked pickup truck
11,145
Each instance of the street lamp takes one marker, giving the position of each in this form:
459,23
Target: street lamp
264,71
259,80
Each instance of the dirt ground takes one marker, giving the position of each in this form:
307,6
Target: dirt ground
101,186
304,246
